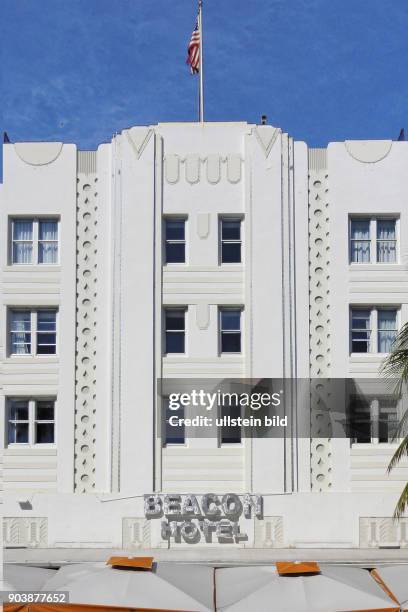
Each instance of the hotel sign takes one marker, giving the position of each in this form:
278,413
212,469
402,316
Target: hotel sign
191,519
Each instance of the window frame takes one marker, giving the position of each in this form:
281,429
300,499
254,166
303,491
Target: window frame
166,309
221,219
374,404
222,442
374,330
36,220
184,219
179,412
373,240
222,309
32,402
33,331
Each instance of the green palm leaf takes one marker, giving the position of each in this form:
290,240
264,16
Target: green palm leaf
395,367
402,503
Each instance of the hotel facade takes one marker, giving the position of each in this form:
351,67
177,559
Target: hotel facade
215,250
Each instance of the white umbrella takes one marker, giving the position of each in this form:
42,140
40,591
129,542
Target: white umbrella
181,587
334,589
395,579
24,577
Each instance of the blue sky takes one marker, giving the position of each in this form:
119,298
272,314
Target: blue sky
81,70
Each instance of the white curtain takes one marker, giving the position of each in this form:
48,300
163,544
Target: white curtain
20,333
386,240
387,324
360,241
22,241
48,242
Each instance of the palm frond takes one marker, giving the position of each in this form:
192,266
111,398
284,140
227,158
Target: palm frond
402,451
402,503
395,366
401,430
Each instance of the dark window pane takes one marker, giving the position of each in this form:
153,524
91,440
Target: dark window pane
359,346
231,342
174,434
46,320
46,344
230,319
360,420
19,411
175,252
231,230
360,319
230,434
175,320
230,252
18,433
175,342
175,230
44,433
45,411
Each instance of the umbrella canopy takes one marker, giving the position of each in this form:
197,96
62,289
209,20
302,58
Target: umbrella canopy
24,577
183,587
395,580
334,589
70,608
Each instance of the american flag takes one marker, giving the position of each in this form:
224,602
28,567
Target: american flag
193,57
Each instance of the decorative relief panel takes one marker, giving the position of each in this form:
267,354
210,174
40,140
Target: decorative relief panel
135,533
319,313
38,153
376,532
192,166
266,136
86,328
138,138
203,316
368,151
269,532
212,168
203,225
29,532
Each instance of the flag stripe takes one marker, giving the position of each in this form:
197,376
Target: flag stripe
193,51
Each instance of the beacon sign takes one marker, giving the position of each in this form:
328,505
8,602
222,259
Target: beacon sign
207,518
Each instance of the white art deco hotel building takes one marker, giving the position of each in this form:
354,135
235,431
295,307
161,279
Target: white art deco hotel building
215,250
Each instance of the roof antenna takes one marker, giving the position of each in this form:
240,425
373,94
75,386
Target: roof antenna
6,139
401,134
264,119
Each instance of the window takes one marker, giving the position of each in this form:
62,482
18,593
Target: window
230,330
31,421
230,239
175,330
373,420
373,240
175,240
173,434
34,241
33,332
230,430
373,330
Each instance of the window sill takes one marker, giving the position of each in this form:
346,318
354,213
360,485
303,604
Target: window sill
391,446
374,357
377,267
32,359
22,445
32,268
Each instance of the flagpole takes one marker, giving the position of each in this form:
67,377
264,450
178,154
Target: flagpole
201,84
